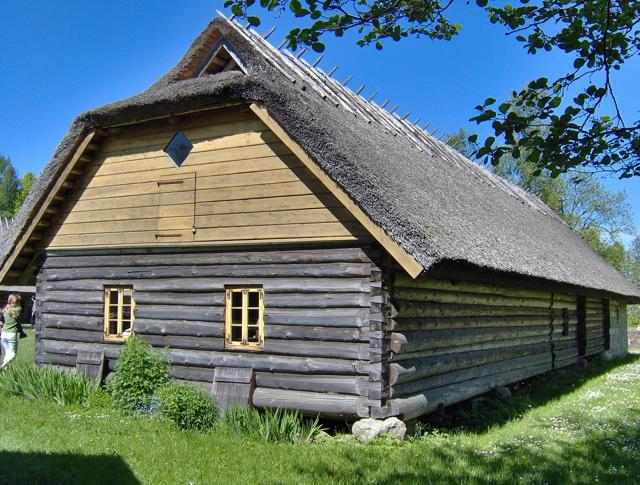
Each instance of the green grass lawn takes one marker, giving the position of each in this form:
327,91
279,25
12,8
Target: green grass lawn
570,427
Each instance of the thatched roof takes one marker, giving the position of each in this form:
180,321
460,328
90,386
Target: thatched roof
439,206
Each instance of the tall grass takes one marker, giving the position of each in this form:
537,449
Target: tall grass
273,425
42,383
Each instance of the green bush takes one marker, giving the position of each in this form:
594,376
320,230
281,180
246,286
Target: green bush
99,398
139,373
45,383
274,425
186,406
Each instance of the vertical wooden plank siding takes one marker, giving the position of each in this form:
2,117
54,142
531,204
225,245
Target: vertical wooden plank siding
456,339
317,317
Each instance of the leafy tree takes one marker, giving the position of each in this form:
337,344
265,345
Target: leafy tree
570,122
26,182
9,187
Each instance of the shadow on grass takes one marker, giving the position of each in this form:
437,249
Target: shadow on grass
610,453
58,468
527,395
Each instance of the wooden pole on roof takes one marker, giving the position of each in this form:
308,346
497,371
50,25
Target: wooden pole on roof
333,69
346,81
317,61
302,51
372,96
269,32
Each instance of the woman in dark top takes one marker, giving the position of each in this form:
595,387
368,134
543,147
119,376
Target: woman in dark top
10,330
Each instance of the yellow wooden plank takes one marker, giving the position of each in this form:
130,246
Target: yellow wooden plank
195,134
308,232
273,217
208,167
408,262
293,202
221,244
113,162
155,149
257,191
129,213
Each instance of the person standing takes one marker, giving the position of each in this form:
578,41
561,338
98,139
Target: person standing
11,329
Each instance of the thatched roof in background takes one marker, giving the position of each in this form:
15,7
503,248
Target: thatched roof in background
439,206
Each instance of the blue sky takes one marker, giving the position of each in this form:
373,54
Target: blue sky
58,59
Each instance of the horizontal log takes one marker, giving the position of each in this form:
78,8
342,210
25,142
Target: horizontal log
334,317
358,386
409,370
80,259
325,270
564,354
417,341
84,297
496,344
560,363
438,296
272,300
310,403
79,322
409,309
433,323
73,335
187,285
193,328
414,406
196,358
405,281
84,309
342,350
463,375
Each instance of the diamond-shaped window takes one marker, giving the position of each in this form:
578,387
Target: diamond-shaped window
178,148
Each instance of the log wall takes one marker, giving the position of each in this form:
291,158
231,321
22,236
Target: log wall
319,305
455,339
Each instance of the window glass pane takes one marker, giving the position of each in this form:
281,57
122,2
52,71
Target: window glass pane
178,148
252,316
113,327
236,315
236,333
126,313
236,299
126,327
252,334
254,299
113,312
113,297
126,297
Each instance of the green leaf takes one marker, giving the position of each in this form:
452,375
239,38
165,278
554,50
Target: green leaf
482,3
317,46
253,21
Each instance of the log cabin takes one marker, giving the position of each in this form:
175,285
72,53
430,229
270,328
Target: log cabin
295,245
